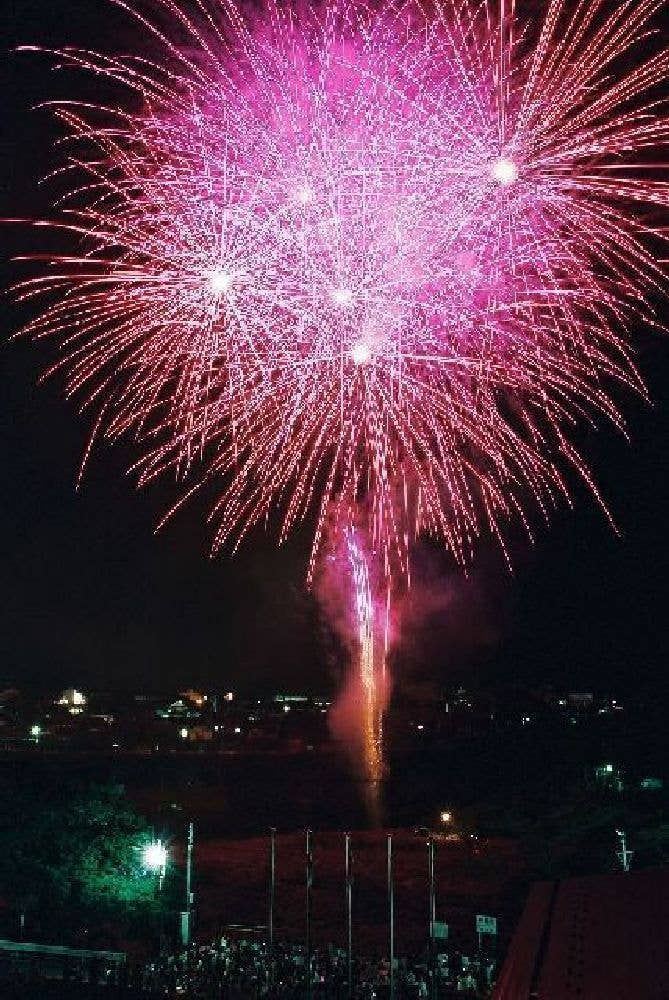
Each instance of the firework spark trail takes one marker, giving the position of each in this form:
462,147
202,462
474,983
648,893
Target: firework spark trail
369,257
371,659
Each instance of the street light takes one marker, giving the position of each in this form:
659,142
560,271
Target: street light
446,816
155,859
155,855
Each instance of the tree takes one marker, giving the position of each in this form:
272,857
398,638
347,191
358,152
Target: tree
72,853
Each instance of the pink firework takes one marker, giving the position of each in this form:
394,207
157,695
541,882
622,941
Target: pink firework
364,263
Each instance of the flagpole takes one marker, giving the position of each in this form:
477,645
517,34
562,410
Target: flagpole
349,901
270,914
310,876
190,845
432,914
391,917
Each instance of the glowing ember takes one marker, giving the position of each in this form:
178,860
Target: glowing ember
361,353
304,194
504,171
342,296
220,282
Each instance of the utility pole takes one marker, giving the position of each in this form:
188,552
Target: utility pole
188,930
391,918
431,916
349,914
310,879
272,883
624,855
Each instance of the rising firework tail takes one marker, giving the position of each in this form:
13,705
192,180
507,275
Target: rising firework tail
371,650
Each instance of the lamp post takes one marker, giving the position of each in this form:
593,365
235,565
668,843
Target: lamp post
155,859
349,928
391,915
187,930
309,881
431,916
270,908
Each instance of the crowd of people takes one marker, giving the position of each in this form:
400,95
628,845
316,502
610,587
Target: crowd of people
234,969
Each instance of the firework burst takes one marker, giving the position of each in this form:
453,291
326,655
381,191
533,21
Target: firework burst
364,263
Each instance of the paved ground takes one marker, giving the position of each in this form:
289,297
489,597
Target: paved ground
486,878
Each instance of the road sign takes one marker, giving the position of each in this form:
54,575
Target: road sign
485,924
440,930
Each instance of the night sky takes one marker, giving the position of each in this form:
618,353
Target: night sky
91,596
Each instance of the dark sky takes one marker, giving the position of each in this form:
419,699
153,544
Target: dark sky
91,596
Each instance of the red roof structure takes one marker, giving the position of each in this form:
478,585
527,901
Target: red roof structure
596,938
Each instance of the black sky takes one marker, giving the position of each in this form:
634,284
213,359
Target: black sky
91,596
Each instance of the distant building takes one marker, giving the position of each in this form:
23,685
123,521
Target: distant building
194,697
74,701
580,699
292,702
460,701
609,776
651,784
181,708
609,706
199,732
